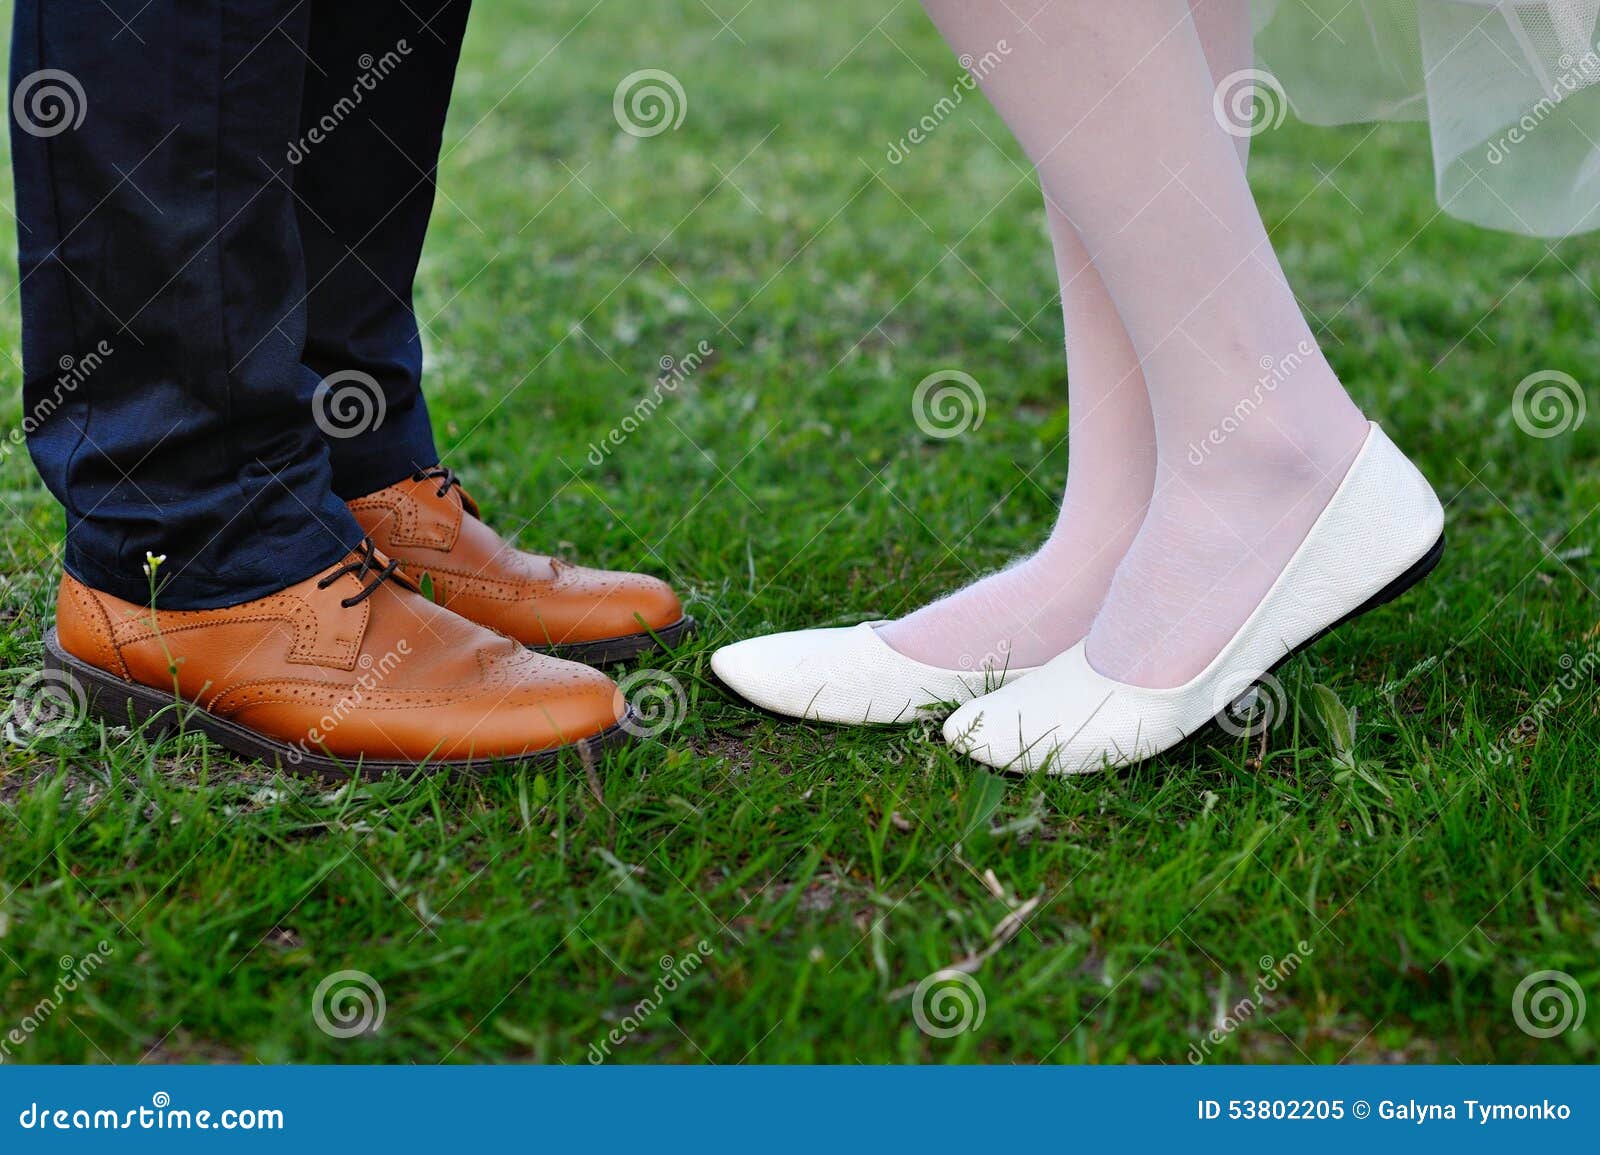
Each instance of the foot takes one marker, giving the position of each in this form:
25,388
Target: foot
1379,534
1221,528
350,671
1043,605
1022,616
431,526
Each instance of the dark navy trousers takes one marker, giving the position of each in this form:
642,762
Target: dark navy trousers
221,205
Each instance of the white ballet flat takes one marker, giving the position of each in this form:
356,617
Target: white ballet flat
1380,534
848,675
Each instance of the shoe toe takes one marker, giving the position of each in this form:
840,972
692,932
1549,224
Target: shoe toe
961,729
615,604
655,602
844,675
758,669
814,674
987,730
1039,724
550,703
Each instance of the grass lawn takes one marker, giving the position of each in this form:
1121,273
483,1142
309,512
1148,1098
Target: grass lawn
1309,897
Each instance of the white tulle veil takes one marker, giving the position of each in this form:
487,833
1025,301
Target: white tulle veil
1510,91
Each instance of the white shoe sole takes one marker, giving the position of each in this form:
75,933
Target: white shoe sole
849,676
1381,533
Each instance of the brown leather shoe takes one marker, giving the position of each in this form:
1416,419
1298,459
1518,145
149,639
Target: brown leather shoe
351,672
595,616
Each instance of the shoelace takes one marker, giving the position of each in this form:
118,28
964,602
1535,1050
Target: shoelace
445,475
365,562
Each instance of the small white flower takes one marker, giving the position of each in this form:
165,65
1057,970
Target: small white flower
152,562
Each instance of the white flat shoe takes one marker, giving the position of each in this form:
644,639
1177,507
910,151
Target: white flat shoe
1380,534
849,675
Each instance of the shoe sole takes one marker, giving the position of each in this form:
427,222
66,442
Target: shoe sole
117,702
609,651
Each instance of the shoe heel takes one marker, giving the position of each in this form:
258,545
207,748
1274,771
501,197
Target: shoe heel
109,698
1413,576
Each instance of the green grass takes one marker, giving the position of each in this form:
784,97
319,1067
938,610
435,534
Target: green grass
522,916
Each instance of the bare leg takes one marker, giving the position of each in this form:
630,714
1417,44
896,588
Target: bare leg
1253,431
1044,604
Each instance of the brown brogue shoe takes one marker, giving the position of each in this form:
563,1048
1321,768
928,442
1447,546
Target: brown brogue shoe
595,616
349,672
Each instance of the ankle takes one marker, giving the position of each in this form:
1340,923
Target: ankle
1266,449
1283,413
